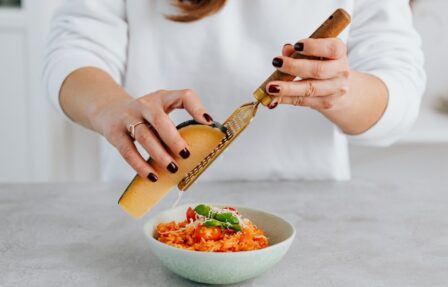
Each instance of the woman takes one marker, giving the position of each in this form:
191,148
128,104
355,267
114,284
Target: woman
112,64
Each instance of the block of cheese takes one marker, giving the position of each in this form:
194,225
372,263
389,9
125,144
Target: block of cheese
141,195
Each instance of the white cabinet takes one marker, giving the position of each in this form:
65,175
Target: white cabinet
36,144
14,152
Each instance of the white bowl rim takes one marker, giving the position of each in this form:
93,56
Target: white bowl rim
150,223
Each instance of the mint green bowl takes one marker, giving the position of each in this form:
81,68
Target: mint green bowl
223,268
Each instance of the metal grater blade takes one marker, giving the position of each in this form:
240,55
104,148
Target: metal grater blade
234,125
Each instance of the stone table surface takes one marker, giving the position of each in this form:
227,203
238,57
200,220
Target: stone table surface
357,233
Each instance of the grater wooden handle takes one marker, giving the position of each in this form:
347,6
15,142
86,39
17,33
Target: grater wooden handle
331,28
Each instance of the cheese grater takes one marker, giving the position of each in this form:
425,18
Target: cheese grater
243,115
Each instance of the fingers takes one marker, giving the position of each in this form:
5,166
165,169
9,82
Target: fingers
151,143
168,134
332,54
315,94
190,101
328,48
325,80
155,111
308,88
317,103
129,152
309,69
162,134
287,50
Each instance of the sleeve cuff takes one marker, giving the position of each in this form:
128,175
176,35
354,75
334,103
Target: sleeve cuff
387,129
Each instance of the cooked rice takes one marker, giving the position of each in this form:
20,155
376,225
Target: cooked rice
181,235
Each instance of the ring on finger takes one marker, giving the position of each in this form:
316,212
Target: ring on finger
131,128
311,89
298,101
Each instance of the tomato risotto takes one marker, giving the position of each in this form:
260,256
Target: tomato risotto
212,229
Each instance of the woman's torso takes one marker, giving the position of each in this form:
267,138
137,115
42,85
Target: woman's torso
224,58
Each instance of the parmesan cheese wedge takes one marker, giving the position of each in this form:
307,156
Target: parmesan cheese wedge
141,195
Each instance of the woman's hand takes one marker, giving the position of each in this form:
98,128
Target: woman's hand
324,82
352,100
112,122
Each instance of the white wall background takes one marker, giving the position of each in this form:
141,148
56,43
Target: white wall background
36,144
432,22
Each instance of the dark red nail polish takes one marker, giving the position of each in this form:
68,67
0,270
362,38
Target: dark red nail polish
277,62
185,153
172,167
274,89
152,177
273,106
208,118
298,47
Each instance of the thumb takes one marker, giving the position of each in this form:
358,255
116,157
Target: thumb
287,50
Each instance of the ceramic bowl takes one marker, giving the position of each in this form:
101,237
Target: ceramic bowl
223,268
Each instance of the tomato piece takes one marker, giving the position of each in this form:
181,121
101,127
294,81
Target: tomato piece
229,231
191,215
207,233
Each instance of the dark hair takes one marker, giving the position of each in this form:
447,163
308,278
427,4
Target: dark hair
193,10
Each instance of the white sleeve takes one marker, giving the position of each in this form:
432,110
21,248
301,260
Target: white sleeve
383,42
85,33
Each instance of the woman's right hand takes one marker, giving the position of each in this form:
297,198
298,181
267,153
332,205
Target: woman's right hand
113,119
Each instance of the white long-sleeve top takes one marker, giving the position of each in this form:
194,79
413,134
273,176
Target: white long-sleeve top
226,56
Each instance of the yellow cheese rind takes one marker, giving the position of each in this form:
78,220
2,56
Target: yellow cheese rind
141,195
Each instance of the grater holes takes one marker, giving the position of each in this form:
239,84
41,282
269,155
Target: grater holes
234,125
211,155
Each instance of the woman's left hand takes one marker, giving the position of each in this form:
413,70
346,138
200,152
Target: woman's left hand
324,82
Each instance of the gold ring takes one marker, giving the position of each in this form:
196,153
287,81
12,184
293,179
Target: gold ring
311,89
131,128
298,101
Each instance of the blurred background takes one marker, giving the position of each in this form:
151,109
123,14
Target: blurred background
37,144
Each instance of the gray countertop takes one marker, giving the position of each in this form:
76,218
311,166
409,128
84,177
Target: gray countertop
358,233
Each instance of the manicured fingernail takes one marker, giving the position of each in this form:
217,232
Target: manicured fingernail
172,167
277,62
287,44
207,117
273,106
298,47
185,153
152,177
274,89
